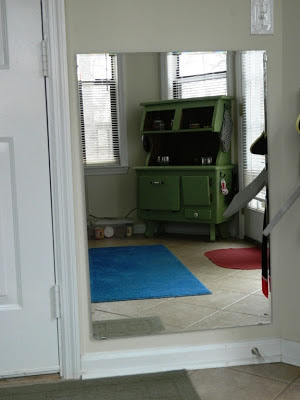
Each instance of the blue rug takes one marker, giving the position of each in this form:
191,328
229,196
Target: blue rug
139,272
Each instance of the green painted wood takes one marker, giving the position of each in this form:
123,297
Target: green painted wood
190,100
195,190
158,192
223,159
197,214
212,232
163,109
190,192
151,227
218,202
186,169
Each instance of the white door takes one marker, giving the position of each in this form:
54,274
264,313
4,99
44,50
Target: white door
28,334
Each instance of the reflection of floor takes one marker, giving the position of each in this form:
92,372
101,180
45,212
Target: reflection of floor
236,300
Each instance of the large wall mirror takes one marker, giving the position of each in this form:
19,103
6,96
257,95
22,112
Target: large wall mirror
181,151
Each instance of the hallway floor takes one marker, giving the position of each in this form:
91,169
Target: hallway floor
276,381
236,298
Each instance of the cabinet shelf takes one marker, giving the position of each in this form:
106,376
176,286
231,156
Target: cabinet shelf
185,130
184,115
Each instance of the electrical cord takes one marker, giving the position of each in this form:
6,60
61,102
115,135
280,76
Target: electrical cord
126,216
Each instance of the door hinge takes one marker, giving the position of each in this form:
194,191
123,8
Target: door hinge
45,58
56,300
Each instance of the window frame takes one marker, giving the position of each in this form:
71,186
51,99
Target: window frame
164,75
257,199
122,168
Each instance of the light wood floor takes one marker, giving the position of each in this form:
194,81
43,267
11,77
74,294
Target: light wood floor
236,300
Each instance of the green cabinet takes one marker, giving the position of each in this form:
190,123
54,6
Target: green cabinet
196,191
186,166
159,192
183,194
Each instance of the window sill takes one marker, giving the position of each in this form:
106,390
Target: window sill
112,170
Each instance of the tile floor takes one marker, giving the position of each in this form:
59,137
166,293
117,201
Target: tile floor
236,300
275,381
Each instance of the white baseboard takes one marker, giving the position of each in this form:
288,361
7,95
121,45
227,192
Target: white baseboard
105,364
290,352
35,371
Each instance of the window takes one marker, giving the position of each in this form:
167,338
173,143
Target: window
253,112
196,74
102,130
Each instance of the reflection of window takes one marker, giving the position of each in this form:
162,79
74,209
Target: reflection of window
99,110
196,74
253,118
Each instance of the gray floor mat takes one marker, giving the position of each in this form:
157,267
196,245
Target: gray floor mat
126,327
174,385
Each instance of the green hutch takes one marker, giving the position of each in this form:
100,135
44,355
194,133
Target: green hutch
187,175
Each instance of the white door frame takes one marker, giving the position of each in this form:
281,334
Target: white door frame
62,187
239,139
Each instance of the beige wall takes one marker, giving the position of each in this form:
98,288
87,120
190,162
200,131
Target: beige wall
115,195
162,25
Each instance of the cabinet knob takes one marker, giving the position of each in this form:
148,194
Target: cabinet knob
196,215
157,182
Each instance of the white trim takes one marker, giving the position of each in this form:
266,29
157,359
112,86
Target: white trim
238,81
62,186
12,298
117,363
30,372
290,352
113,170
230,72
4,61
163,76
122,114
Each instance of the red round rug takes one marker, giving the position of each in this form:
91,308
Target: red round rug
242,258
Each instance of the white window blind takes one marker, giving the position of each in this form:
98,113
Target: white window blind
253,118
98,103
196,74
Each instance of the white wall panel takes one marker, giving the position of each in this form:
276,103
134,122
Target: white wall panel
10,282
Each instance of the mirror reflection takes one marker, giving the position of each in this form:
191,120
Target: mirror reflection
167,144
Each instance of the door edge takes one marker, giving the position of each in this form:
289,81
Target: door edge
62,187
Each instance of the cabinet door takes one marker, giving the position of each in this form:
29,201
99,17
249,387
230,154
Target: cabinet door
159,193
196,190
